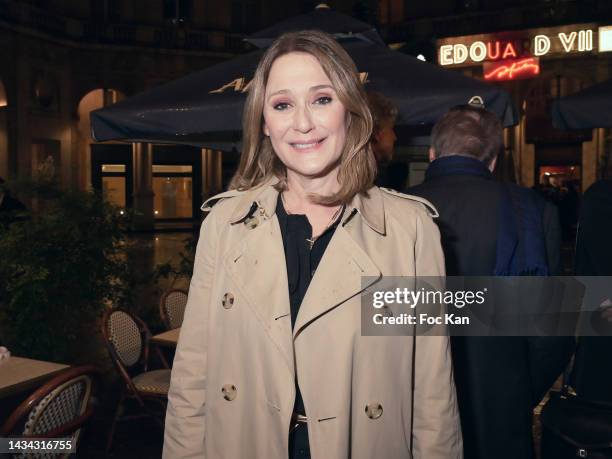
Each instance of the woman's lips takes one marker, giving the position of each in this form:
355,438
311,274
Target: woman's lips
307,146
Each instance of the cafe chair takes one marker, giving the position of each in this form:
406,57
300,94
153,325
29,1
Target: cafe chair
127,340
172,308
58,409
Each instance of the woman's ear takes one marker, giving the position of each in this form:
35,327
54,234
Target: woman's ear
265,129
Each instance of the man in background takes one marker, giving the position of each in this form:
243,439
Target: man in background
391,174
499,379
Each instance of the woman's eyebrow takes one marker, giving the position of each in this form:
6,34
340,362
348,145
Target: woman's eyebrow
312,89
321,86
280,91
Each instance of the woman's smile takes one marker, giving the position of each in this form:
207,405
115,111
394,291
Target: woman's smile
307,145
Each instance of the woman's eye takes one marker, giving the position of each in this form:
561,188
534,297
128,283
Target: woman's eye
281,106
324,100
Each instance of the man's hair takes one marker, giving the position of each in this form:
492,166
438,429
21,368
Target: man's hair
468,130
259,162
383,110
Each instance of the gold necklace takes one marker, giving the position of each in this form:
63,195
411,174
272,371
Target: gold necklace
311,240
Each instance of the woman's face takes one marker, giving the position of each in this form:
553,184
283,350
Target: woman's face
303,117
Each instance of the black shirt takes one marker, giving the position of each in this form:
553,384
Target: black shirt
302,262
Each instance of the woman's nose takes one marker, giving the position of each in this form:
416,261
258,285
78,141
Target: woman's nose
302,119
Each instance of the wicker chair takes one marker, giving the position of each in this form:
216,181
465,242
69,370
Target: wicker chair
127,340
58,409
172,308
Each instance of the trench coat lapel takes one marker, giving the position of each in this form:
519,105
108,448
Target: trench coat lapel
345,269
258,270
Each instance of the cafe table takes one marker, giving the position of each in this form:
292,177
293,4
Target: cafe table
168,338
18,374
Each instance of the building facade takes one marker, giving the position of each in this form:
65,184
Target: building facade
65,58
537,51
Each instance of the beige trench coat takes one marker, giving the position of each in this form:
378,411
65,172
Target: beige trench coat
232,390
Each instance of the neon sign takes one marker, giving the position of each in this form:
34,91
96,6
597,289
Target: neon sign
543,42
477,52
512,69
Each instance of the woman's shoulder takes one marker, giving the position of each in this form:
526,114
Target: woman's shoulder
402,203
237,204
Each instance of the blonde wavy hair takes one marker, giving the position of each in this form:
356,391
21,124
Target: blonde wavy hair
259,163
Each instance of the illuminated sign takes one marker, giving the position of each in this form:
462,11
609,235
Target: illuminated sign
514,69
543,43
605,39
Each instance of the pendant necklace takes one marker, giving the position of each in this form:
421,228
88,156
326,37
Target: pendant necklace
311,240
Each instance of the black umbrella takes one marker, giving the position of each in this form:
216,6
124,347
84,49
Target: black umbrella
205,108
586,109
322,18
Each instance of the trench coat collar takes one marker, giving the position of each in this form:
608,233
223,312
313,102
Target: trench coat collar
370,205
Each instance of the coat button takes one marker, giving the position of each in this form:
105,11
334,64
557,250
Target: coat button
374,410
228,300
229,392
251,223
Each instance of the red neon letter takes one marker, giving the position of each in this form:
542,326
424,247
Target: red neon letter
509,51
490,52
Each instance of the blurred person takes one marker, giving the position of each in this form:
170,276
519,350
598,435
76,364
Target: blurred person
271,362
569,203
390,174
499,379
547,189
592,374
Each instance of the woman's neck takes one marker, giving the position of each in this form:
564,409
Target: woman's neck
297,201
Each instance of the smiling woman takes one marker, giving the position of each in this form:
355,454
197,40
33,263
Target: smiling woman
306,124
270,362
308,86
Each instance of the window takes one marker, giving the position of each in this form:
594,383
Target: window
173,188
177,11
105,10
236,15
114,184
244,16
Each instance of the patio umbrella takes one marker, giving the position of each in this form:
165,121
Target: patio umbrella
322,18
586,109
205,108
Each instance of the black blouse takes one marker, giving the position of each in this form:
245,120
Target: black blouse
302,262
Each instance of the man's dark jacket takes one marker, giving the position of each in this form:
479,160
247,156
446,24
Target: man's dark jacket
592,377
499,379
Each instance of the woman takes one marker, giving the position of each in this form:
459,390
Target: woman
270,360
